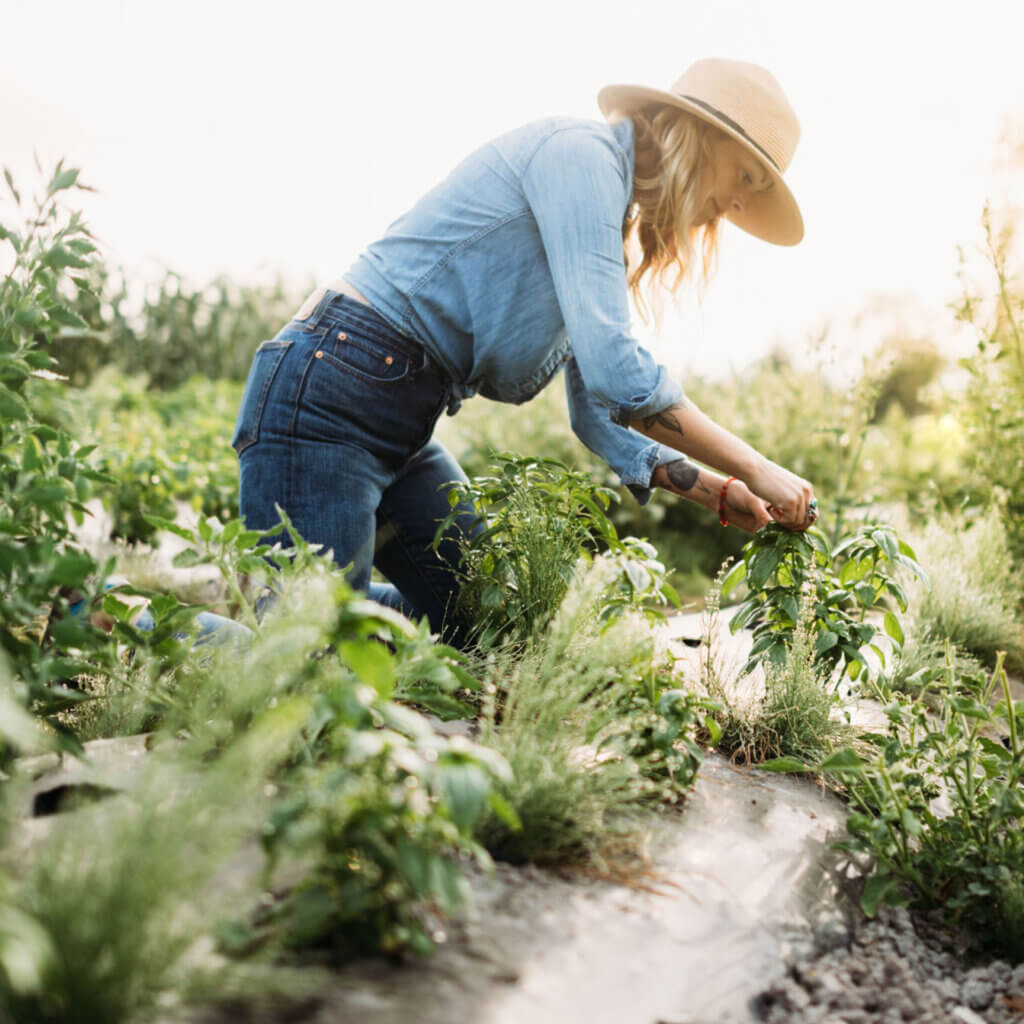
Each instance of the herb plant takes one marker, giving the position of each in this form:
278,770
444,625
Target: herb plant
857,577
535,520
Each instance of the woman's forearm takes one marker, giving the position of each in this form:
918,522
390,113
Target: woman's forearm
737,506
684,427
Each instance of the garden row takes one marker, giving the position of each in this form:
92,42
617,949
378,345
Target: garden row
313,740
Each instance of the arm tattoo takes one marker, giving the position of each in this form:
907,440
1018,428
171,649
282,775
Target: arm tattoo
665,419
684,476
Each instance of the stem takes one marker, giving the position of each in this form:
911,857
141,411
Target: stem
240,599
1004,298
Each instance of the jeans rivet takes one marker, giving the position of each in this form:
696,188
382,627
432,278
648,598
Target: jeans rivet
342,335
388,360
319,353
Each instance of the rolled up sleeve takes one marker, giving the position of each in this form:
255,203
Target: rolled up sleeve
631,455
577,185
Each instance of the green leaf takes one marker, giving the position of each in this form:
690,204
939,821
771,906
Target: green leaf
878,890
58,258
826,641
62,180
762,565
893,628
733,577
465,787
372,662
67,318
12,406
71,568
785,765
844,761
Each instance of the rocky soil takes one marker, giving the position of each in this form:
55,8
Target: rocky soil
898,967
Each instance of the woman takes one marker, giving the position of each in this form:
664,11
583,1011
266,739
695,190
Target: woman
508,271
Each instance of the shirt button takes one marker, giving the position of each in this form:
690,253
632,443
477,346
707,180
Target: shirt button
342,336
388,360
319,353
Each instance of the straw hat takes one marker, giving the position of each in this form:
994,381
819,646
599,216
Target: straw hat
744,101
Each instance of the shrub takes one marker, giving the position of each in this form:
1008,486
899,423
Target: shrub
536,519
177,332
940,804
45,476
795,718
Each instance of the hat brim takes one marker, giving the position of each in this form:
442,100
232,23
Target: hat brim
772,215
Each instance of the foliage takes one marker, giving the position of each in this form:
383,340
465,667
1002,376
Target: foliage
584,719
162,450
98,923
176,332
940,805
535,520
376,808
797,715
994,406
44,473
857,577
974,589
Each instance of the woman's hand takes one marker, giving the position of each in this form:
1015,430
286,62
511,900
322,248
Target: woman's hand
745,509
790,498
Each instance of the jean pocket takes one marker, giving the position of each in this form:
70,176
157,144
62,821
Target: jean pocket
376,360
257,386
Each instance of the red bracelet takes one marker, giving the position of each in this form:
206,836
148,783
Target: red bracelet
721,502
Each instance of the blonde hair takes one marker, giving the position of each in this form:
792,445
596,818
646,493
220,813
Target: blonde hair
660,239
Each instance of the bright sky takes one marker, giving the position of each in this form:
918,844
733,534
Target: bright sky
255,138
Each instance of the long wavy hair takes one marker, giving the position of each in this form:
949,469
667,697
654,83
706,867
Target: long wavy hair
660,241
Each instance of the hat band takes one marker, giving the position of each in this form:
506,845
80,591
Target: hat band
735,127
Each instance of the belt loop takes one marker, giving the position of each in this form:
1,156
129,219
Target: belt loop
321,307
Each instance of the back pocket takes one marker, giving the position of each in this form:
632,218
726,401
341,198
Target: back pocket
257,386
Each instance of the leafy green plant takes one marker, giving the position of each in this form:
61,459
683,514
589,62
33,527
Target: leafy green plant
98,922
939,807
848,582
798,715
536,519
45,476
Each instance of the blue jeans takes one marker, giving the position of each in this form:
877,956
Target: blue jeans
335,426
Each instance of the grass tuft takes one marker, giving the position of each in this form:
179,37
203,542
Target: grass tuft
575,803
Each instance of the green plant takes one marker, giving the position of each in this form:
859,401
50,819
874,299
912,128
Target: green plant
45,476
972,597
97,924
172,330
588,729
536,519
846,583
940,805
797,717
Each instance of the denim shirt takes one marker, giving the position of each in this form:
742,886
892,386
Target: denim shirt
512,268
